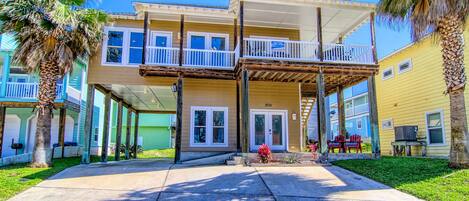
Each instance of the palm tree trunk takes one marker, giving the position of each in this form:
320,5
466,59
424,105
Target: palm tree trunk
48,74
451,30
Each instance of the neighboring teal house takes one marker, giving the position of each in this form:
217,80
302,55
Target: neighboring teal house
18,91
357,120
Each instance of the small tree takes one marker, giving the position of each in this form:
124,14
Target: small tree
446,18
51,35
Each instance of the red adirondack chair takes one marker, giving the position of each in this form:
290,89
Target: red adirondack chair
355,142
337,143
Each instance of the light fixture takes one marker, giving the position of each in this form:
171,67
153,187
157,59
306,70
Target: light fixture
174,88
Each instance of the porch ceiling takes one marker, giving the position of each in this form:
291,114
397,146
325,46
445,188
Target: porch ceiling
147,98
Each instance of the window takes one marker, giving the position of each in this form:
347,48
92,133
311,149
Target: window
209,127
388,73
405,66
435,130
387,124
96,134
359,124
123,46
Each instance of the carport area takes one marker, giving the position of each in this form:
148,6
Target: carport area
162,180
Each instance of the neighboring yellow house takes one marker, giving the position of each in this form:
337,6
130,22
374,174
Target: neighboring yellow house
410,90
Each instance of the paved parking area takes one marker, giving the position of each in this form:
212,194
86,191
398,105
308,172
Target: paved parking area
160,180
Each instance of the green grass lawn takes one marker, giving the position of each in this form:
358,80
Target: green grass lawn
157,154
19,177
429,179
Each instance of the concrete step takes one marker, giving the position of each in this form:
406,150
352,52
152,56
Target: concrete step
235,160
211,160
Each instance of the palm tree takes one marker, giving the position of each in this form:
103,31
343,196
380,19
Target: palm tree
446,20
51,35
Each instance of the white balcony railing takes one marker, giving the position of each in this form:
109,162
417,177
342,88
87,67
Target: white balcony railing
209,58
162,55
27,90
348,53
281,49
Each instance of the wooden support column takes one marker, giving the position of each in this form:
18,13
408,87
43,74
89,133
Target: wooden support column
373,37
62,119
88,123
320,96
238,117
3,110
235,32
341,110
120,109
375,144
127,133
241,28
319,33
179,108
107,120
245,110
181,40
137,114
145,36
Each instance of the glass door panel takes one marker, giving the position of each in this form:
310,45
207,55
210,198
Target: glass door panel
196,57
259,129
218,58
277,129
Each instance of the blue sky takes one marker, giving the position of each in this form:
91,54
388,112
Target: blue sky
387,39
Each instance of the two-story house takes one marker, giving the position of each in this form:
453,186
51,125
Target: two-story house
235,76
18,92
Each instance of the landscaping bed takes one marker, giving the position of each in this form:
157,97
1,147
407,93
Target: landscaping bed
429,179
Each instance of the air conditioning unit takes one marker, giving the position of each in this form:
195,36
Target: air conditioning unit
405,133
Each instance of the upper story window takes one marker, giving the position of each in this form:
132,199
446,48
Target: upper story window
388,73
122,46
405,66
435,128
209,127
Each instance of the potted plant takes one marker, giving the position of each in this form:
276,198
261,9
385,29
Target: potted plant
264,153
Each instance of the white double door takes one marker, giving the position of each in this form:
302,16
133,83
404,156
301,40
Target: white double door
268,127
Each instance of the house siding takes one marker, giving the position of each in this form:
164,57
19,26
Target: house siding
407,97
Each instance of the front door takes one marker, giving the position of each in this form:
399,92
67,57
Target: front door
268,127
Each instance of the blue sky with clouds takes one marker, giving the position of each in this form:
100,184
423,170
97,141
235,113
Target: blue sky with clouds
387,39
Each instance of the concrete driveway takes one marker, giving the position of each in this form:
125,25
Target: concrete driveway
159,180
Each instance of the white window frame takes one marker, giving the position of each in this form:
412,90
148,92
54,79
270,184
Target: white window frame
208,36
389,76
442,119
209,126
387,128
361,124
125,46
403,62
154,34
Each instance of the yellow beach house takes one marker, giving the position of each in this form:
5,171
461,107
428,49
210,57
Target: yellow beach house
410,90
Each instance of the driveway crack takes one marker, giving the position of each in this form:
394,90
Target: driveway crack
164,182
265,184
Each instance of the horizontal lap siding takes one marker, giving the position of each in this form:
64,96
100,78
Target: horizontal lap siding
408,96
211,93
280,96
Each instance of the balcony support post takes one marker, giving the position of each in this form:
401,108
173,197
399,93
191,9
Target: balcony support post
120,108
127,133
320,97
137,114
3,111
179,108
88,123
145,37
241,29
319,33
62,123
245,109
107,119
373,37
375,144
341,110
181,40
238,120
235,33
5,75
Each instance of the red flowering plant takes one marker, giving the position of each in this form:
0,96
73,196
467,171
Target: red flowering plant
264,153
